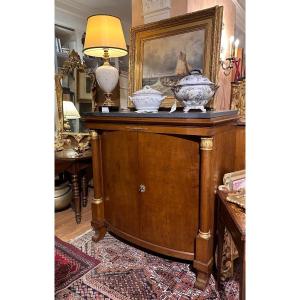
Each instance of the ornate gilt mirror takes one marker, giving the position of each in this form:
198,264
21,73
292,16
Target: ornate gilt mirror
75,94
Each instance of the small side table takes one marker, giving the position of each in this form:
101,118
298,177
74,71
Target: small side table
232,217
76,166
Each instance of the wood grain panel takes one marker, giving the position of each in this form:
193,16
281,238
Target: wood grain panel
120,180
240,148
150,246
169,168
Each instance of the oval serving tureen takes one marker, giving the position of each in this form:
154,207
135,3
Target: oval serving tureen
147,100
194,91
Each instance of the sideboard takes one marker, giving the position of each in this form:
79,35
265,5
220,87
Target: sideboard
155,178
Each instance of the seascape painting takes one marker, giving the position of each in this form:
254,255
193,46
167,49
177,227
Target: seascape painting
168,59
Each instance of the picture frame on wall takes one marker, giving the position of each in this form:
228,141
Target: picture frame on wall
85,84
163,52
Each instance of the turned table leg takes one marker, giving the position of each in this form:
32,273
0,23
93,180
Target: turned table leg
84,190
76,198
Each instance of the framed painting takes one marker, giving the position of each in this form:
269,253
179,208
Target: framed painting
84,87
163,52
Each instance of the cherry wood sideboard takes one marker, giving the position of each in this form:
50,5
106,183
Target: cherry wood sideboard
155,178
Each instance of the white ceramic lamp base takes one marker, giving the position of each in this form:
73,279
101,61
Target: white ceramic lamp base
107,77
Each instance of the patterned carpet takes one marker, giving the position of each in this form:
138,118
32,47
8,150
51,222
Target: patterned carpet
70,264
127,273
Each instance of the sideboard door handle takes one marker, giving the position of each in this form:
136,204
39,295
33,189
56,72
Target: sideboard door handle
142,188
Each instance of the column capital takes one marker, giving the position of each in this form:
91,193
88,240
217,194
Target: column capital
94,134
206,143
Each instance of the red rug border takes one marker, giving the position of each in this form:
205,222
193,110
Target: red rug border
77,252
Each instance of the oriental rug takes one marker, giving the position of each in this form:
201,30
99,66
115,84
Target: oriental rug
70,264
128,273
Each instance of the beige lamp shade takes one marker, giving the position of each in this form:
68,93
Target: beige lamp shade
70,111
104,32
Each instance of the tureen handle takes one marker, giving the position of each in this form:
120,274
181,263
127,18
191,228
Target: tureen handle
147,87
195,71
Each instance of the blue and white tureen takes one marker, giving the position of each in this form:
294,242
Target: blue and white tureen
194,91
147,100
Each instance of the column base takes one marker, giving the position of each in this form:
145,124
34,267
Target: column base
99,229
201,280
204,271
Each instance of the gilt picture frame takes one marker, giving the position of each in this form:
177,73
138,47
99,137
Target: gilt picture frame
163,52
84,87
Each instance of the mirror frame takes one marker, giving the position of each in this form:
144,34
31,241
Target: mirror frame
63,138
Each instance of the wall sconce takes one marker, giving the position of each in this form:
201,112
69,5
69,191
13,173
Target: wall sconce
228,63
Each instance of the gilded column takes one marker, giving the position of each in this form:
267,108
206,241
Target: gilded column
97,202
204,242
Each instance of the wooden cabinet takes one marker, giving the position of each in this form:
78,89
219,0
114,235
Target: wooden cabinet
140,189
155,180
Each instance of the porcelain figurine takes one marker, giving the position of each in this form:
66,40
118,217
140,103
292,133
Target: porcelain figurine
194,91
147,100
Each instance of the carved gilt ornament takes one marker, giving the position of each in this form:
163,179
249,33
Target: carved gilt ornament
94,134
205,235
63,138
97,200
206,144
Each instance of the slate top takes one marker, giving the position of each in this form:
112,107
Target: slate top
164,114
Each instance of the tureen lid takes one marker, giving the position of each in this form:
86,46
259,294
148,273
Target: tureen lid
195,77
147,90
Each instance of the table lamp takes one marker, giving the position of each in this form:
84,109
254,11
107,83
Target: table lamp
70,113
105,38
